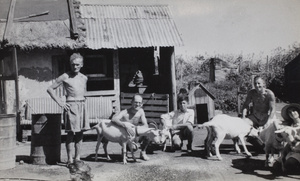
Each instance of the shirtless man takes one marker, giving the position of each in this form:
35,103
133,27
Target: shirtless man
263,101
136,116
75,115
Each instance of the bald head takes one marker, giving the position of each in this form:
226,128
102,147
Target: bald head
137,101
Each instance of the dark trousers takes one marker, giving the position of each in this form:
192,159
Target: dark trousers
185,133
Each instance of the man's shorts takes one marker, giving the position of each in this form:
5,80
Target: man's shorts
257,122
76,119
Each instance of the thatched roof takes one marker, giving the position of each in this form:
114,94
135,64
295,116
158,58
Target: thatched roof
95,26
49,34
51,30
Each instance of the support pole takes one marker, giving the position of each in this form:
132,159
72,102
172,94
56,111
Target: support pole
173,78
74,28
116,78
15,60
18,119
10,19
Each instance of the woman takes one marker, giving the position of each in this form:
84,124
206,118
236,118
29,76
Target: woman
290,114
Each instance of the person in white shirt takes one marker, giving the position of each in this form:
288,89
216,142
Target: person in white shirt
180,122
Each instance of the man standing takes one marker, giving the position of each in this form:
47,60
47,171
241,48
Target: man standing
75,115
263,104
136,116
181,123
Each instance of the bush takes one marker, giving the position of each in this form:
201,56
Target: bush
225,93
272,71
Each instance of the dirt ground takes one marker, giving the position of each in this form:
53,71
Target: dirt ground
167,166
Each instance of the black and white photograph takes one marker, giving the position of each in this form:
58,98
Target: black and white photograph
149,90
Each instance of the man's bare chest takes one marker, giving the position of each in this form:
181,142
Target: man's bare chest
133,119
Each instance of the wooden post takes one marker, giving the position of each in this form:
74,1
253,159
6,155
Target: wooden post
10,19
156,59
18,119
212,70
239,101
173,78
2,90
15,60
116,78
74,30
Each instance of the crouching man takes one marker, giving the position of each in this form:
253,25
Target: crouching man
180,122
136,116
263,101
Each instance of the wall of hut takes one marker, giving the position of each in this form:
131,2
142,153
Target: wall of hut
292,80
35,71
38,68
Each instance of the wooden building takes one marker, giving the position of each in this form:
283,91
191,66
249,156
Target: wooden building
115,41
292,80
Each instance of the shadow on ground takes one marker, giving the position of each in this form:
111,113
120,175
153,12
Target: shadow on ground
256,167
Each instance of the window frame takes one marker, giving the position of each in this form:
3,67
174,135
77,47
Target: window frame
99,76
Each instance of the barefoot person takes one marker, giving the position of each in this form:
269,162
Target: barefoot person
75,116
136,116
263,101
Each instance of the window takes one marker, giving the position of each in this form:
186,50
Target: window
99,72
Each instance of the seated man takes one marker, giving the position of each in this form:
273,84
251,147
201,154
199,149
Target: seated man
180,123
136,116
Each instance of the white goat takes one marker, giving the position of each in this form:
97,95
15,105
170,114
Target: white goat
273,142
292,138
222,126
119,135
165,132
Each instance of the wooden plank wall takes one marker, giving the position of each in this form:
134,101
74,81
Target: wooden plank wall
153,104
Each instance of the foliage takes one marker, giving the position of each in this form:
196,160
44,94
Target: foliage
225,93
187,70
270,68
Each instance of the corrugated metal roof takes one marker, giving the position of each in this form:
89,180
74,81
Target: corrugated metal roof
128,26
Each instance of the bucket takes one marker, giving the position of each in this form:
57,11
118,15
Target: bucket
7,141
45,139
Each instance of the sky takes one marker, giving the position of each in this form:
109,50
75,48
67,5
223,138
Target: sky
231,26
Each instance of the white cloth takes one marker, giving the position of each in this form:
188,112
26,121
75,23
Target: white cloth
179,117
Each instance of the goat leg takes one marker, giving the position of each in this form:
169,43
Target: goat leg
97,146
220,138
244,146
124,152
131,150
105,151
236,146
